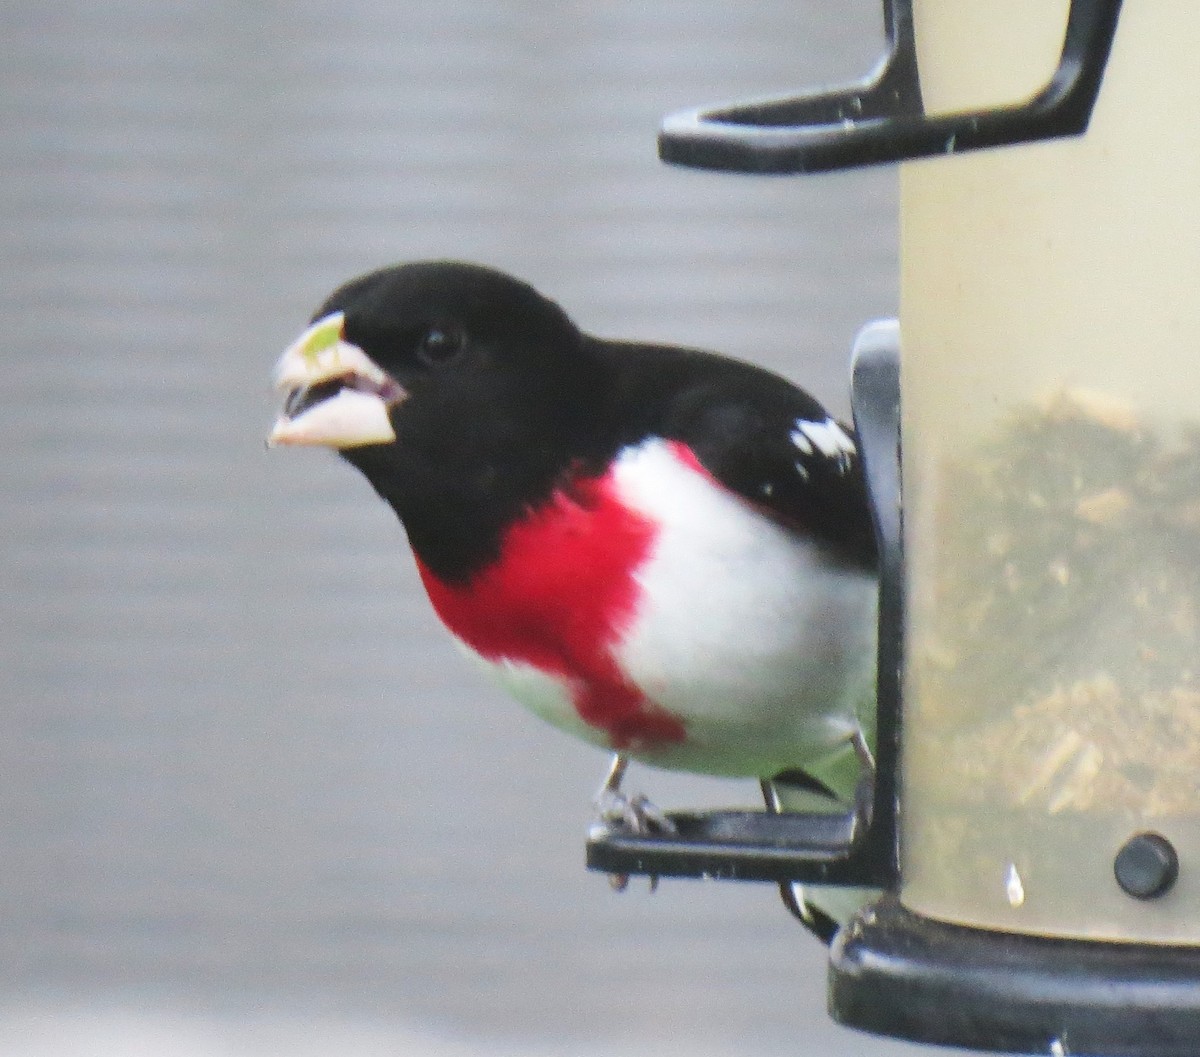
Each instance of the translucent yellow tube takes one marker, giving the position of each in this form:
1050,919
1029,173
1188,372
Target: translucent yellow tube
1051,324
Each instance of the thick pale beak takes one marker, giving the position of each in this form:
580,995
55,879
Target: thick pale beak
335,395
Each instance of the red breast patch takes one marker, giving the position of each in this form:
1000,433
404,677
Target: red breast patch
559,598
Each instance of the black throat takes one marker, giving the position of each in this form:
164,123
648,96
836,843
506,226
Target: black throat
456,516
465,468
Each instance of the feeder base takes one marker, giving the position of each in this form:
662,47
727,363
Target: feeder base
896,973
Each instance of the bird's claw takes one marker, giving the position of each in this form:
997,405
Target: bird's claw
636,815
618,882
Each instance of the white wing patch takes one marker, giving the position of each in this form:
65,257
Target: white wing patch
826,437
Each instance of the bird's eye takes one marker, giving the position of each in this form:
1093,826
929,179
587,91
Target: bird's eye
440,343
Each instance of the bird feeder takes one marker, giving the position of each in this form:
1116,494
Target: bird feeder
1037,814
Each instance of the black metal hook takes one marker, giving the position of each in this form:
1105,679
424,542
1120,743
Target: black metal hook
882,118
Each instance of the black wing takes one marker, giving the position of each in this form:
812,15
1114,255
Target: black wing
758,434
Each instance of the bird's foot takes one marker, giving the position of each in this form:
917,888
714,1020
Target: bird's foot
635,814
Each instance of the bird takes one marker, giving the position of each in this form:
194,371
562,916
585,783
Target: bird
666,552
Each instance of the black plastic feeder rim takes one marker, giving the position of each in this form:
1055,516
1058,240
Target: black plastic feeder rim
896,973
882,118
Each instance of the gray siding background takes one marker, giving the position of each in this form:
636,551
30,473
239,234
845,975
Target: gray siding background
252,802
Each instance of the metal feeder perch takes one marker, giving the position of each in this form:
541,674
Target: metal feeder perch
1037,812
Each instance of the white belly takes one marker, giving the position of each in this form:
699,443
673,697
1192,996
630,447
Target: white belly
753,638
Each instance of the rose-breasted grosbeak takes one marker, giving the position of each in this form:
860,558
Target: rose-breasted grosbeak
662,551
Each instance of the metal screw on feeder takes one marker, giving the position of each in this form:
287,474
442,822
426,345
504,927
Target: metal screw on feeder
1050,704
